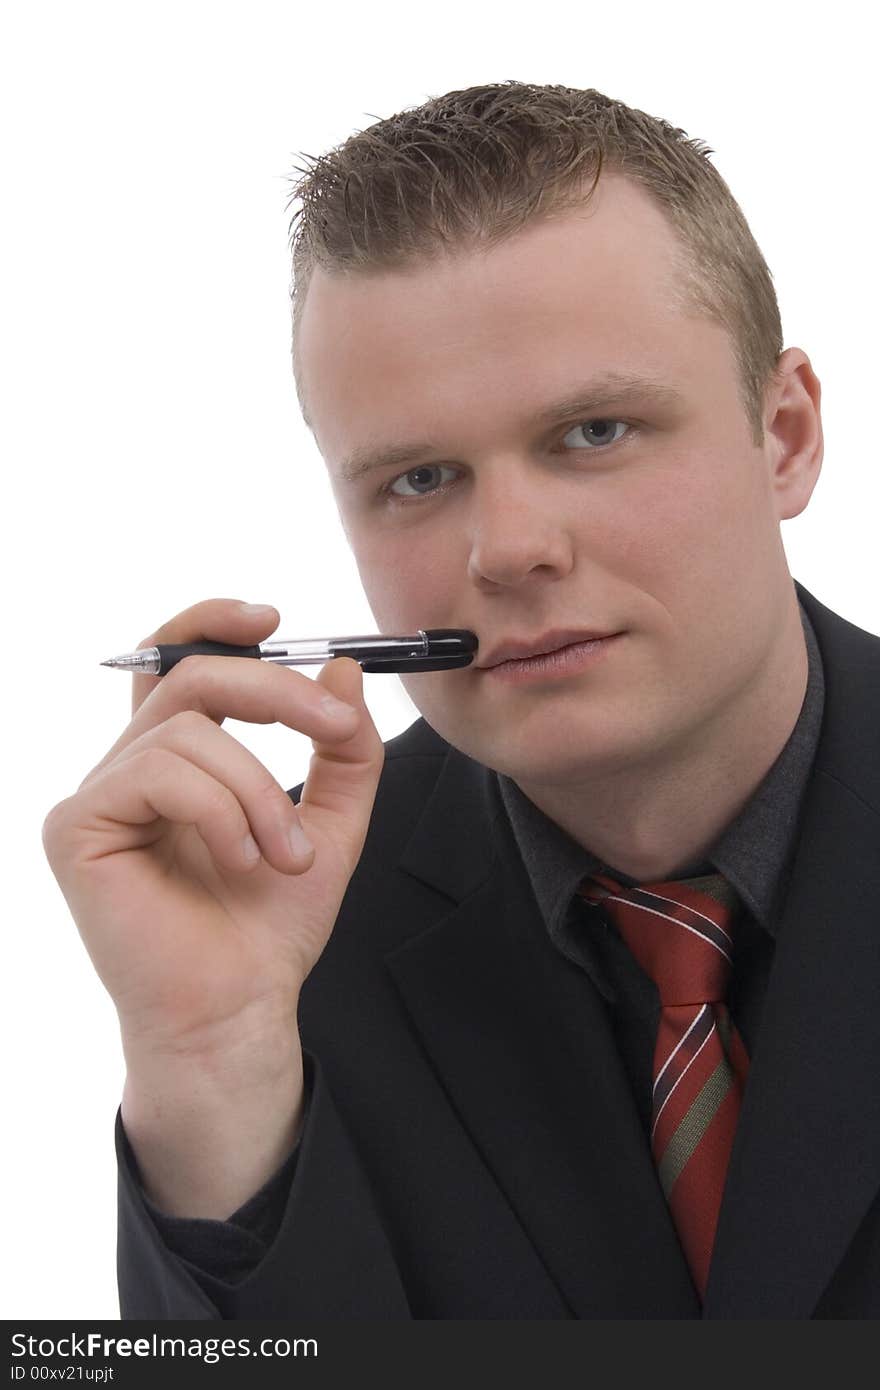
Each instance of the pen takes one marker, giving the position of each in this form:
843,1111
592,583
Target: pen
438,649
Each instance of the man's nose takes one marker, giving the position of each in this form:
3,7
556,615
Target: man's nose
514,528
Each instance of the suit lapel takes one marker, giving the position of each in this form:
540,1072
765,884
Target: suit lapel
520,1040
805,1165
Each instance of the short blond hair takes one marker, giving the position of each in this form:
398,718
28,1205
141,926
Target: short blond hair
474,166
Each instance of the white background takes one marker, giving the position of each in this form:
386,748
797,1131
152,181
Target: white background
153,453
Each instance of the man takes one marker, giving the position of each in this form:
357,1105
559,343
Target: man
573,425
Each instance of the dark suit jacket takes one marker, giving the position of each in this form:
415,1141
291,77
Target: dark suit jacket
472,1148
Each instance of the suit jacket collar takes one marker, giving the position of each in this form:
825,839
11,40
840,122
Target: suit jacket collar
526,1051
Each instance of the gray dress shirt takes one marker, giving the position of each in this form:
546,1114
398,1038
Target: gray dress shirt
754,854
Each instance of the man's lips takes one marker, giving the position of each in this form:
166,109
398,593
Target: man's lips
518,649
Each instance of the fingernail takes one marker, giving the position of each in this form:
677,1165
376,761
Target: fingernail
255,607
299,841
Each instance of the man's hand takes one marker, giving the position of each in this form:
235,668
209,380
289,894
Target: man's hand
203,947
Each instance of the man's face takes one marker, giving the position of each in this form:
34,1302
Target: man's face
657,519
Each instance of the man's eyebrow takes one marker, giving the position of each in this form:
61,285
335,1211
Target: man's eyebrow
599,394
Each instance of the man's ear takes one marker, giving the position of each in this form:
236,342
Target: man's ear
793,441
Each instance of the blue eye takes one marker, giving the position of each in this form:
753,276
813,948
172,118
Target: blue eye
585,426
416,473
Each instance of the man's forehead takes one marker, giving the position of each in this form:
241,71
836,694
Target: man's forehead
523,307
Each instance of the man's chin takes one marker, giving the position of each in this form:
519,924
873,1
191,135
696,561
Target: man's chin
558,758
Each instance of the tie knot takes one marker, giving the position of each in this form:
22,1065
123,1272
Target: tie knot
679,932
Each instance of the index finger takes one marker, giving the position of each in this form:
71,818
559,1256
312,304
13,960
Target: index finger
256,692
212,620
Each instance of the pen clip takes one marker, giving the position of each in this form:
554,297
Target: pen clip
419,663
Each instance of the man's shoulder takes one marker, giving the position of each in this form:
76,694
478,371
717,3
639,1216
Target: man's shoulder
849,744
413,758
839,635
415,761
419,740
850,662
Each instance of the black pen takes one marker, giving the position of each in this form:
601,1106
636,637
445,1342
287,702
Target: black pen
438,649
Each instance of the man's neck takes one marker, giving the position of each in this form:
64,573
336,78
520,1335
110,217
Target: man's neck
654,825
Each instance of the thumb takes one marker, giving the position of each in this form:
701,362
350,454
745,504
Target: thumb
343,677
344,773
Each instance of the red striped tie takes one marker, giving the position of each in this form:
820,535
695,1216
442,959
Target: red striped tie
680,934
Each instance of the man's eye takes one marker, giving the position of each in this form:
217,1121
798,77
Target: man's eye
584,434
421,476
